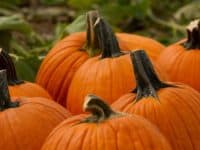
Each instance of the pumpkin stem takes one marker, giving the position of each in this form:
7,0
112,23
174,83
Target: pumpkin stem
147,81
92,46
5,101
193,33
7,63
100,37
98,108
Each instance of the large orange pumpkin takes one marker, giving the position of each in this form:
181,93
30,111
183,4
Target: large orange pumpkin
63,60
26,122
105,129
174,108
182,59
109,75
18,87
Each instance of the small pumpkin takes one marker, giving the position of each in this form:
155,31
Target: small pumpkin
105,129
174,108
181,60
18,87
109,75
64,59
26,122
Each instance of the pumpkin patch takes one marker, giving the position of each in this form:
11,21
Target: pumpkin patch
74,50
86,85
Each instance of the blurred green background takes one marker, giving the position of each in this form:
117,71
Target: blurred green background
29,28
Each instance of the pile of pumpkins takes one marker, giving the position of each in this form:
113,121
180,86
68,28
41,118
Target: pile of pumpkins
99,90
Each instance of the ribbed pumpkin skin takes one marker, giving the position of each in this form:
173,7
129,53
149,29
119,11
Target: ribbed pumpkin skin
108,78
134,42
27,126
121,133
59,66
64,59
181,65
175,113
28,89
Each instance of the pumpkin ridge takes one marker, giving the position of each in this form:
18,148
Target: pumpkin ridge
81,59
46,69
139,136
82,90
11,130
24,103
189,104
177,114
54,73
130,136
85,135
56,51
178,62
183,122
114,130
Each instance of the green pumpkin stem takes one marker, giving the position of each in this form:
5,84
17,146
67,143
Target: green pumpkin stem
98,108
5,101
193,35
100,37
7,63
147,81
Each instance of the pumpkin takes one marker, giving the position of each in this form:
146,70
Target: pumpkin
181,60
26,122
18,87
134,42
109,75
64,59
173,107
105,129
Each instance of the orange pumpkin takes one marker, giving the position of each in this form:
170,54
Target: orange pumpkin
26,122
109,75
64,59
134,42
18,87
182,59
174,108
105,129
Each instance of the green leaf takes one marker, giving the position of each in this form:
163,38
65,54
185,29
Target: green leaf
27,67
60,31
19,49
79,24
188,12
15,23
24,70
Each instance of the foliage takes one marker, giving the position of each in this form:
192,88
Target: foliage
29,28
